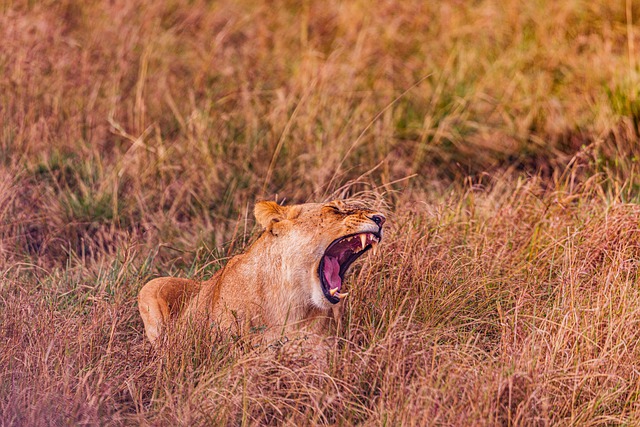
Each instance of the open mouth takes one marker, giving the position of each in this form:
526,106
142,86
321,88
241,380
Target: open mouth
338,257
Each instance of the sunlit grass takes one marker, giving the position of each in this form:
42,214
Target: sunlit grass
136,136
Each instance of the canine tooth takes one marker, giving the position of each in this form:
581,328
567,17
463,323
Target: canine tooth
342,295
333,291
363,240
374,246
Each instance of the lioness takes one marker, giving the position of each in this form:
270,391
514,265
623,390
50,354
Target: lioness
290,278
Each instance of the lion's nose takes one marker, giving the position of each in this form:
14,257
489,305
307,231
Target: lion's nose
378,219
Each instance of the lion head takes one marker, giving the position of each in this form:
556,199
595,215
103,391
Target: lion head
314,244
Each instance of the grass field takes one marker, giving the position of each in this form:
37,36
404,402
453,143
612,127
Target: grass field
135,137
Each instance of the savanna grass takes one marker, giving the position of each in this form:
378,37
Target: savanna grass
502,137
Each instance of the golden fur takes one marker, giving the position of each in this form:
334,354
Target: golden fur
275,284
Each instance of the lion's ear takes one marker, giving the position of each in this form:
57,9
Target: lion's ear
268,213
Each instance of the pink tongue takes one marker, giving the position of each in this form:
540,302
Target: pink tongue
332,272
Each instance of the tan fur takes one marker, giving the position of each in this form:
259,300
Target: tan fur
274,284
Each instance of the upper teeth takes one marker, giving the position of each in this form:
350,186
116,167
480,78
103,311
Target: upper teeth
366,238
363,240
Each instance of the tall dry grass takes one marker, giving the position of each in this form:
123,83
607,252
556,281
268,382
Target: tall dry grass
135,137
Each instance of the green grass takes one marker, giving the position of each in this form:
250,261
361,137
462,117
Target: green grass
502,136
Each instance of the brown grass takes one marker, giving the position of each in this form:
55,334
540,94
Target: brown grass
135,137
